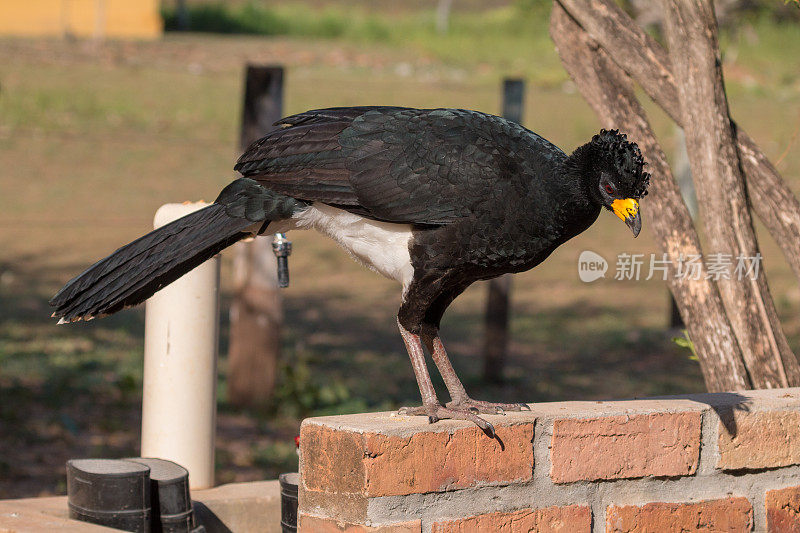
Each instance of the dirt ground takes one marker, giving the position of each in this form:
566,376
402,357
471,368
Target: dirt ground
94,137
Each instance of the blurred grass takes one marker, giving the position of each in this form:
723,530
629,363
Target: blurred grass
95,136
512,37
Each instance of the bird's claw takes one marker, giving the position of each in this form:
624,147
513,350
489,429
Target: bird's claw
488,408
436,412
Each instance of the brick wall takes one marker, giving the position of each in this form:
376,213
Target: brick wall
706,462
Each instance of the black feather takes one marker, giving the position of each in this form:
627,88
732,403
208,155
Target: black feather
626,158
419,166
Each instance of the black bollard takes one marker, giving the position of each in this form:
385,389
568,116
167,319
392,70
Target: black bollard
169,496
289,484
109,492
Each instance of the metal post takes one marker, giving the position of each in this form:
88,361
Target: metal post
180,366
497,302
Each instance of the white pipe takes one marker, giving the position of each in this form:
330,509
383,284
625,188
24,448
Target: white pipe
180,365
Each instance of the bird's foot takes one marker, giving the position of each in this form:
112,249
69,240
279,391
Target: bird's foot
436,412
489,408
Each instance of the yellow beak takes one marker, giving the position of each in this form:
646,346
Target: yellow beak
628,211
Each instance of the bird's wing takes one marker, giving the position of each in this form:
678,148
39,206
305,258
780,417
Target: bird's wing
395,164
302,160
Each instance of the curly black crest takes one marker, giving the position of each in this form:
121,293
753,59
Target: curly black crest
626,158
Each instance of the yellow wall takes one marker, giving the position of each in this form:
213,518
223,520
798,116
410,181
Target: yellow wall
135,19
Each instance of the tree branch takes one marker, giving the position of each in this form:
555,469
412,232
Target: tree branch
609,91
649,64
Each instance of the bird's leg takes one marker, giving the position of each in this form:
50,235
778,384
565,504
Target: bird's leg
414,348
430,404
458,395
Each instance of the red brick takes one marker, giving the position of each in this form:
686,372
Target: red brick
617,447
316,524
731,515
439,461
783,510
347,507
332,460
374,464
569,519
760,439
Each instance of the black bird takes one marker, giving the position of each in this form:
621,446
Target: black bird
433,198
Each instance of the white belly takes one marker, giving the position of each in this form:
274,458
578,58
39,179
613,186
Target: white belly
381,246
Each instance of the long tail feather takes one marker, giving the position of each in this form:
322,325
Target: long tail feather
136,271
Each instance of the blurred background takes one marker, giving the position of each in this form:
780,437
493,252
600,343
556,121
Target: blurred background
109,109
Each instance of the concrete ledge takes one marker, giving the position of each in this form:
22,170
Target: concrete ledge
565,466
254,506
41,515
237,507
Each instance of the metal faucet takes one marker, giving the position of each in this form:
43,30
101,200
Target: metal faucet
282,247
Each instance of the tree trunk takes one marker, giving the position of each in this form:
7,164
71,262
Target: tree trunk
649,64
610,93
691,31
256,322
256,311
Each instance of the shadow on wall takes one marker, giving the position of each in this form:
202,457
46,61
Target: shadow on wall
725,404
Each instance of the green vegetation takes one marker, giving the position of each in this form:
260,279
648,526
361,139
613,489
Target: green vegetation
686,342
512,37
260,19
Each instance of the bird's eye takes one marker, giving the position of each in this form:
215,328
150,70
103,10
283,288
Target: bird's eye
609,189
